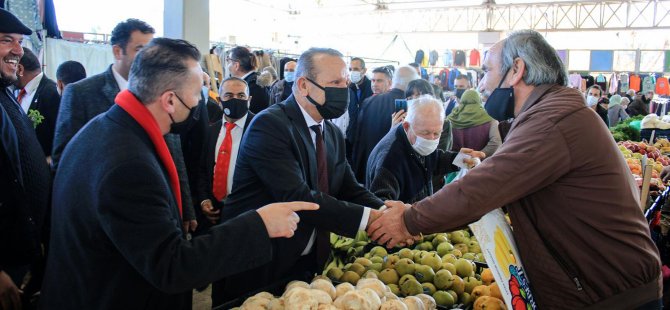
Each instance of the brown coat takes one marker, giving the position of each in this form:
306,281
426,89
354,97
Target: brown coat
573,204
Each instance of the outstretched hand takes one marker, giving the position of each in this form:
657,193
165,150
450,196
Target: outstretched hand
471,162
281,219
389,228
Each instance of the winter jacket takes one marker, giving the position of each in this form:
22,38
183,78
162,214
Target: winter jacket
581,235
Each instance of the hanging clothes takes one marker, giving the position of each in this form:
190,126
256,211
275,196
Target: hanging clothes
614,84
419,57
634,82
444,78
590,81
475,58
452,77
448,58
625,82
433,58
649,84
575,81
602,82
662,87
459,58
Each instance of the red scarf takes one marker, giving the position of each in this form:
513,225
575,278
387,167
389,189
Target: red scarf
127,101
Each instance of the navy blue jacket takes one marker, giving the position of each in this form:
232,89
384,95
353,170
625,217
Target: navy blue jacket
117,241
276,163
373,123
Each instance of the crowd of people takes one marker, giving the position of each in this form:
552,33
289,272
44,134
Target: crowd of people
129,188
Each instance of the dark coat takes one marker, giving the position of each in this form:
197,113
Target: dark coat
372,124
277,162
396,172
355,103
47,102
203,189
90,97
25,184
259,94
117,240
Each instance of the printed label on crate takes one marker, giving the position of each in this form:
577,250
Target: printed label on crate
495,239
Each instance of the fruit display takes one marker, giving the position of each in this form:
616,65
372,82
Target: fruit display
440,265
323,294
663,145
634,152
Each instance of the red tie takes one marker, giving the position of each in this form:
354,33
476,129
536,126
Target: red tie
22,93
220,186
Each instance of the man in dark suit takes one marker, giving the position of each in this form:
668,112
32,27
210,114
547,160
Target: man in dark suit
374,120
360,89
25,181
291,152
84,100
69,72
242,63
38,96
117,239
234,94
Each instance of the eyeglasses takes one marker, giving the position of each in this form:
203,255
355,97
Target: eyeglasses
228,59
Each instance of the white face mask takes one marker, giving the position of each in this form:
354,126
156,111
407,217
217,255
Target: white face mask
424,146
591,101
355,76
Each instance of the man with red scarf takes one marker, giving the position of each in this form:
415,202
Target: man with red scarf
117,239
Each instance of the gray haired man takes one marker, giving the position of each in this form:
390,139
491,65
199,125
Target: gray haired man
577,223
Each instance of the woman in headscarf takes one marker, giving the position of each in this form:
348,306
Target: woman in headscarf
615,111
469,126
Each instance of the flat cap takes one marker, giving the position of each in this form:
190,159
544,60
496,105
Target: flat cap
9,23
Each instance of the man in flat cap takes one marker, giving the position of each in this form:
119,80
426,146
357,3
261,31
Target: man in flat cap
25,179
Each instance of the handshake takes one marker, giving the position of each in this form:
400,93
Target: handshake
386,226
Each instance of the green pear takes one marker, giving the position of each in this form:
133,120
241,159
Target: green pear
378,251
449,258
389,276
469,256
458,286
377,259
471,283
375,267
404,266
390,261
457,237
351,277
395,289
406,278
363,261
433,260
444,248
464,267
443,279
357,268
428,288
450,267
462,247
334,273
405,253
411,288
424,273
439,239
444,299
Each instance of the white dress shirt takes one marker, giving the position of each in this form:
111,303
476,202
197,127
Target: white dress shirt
237,132
366,211
123,83
30,88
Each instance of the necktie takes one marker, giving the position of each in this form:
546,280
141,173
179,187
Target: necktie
322,236
22,93
220,183
321,163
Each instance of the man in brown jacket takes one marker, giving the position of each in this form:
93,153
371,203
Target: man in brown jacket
573,203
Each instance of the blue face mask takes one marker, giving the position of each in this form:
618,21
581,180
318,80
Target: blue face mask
289,76
500,104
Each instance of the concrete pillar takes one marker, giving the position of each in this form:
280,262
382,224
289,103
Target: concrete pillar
188,20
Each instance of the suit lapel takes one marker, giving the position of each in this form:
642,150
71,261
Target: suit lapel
294,113
35,104
111,88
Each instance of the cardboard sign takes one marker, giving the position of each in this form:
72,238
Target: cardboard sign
495,239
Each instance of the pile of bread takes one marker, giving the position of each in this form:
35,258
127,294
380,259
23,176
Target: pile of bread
321,294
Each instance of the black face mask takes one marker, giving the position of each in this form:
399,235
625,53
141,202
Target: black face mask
235,108
500,104
459,93
337,100
189,122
